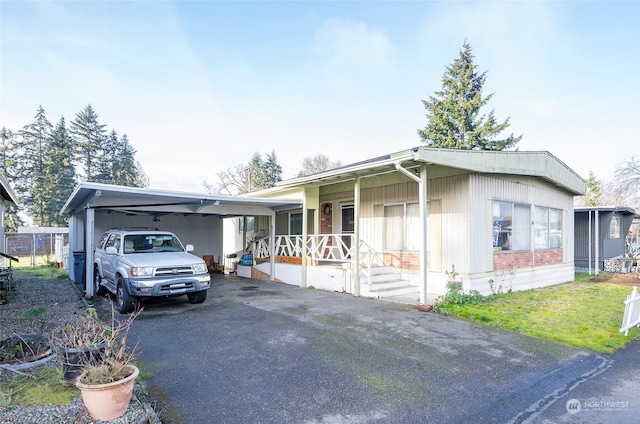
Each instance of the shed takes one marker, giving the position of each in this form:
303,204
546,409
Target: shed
195,218
600,233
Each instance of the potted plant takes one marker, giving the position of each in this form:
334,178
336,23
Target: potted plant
80,343
106,383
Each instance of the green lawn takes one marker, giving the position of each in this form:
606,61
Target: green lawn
579,313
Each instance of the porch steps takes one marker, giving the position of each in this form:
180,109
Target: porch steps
385,282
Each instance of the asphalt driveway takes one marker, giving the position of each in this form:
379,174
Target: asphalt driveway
260,352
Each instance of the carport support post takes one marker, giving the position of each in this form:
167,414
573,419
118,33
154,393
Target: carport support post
356,237
272,246
424,242
89,228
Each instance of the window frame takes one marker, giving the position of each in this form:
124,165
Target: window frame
407,242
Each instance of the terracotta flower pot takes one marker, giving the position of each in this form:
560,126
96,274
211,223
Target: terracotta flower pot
108,401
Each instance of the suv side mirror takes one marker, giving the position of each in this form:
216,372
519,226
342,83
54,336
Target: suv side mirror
189,248
111,250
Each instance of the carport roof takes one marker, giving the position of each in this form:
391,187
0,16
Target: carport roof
136,200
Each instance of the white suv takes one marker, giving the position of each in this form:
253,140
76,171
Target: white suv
134,263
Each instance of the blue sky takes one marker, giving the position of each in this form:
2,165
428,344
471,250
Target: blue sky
199,86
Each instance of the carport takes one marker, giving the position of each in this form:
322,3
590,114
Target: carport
194,217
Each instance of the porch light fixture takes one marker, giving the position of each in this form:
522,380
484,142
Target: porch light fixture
327,209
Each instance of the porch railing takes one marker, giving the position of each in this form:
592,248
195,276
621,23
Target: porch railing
320,247
631,316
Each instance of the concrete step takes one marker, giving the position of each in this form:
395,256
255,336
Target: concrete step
382,291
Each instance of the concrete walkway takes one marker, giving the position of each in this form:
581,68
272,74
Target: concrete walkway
259,352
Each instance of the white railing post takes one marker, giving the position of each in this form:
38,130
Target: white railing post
631,316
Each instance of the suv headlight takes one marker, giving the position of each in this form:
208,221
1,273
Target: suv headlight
199,268
143,271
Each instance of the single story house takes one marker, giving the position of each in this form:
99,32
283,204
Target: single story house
407,222
600,237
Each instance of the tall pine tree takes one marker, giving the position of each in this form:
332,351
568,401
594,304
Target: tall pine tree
29,170
454,113
60,175
125,170
8,149
88,136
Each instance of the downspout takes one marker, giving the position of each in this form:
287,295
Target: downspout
422,184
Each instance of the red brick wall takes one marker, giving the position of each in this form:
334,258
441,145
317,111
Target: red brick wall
548,257
326,221
511,260
404,260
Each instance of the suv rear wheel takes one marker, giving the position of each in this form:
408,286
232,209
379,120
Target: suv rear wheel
197,297
126,302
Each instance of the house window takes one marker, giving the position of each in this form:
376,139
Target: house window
614,228
511,226
295,223
548,228
250,224
402,227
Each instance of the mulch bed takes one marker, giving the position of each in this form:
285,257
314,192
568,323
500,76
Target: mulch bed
626,279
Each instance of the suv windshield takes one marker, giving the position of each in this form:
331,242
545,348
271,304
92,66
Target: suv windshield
151,243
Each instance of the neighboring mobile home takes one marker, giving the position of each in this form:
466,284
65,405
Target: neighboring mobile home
407,222
600,237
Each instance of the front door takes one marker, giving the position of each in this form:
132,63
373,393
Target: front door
347,227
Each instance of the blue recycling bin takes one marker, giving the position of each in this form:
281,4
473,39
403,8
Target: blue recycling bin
78,267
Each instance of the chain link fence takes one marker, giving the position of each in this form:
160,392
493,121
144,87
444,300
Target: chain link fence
35,249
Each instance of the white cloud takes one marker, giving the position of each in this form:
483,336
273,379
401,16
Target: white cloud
351,45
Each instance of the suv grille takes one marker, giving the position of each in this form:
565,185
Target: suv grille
173,270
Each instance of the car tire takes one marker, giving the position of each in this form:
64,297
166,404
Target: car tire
98,290
126,302
197,297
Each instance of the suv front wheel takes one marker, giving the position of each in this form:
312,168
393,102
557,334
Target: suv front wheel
126,302
197,297
97,288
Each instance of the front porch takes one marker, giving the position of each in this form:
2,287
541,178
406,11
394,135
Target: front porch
329,263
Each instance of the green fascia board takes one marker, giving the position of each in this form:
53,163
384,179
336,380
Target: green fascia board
538,164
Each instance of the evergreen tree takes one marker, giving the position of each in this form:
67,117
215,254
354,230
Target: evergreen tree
29,165
272,170
142,179
454,113
125,170
60,175
254,174
594,194
88,136
7,142
7,167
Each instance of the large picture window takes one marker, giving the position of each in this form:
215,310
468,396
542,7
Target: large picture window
548,228
402,227
511,226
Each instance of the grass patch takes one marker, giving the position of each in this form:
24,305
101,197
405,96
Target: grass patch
44,386
43,272
579,313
